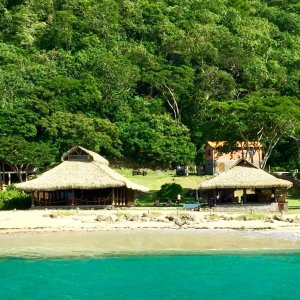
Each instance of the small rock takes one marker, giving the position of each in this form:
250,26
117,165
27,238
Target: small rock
277,218
121,219
102,218
269,220
296,219
179,222
187,217
170,218
135,218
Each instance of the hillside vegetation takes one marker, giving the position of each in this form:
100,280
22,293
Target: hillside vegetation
148,81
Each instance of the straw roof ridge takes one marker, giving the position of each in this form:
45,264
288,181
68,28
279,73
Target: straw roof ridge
244,162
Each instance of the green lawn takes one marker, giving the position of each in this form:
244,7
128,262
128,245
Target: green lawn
294,202
155,179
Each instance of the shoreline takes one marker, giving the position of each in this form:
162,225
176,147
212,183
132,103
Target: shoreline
78,233
139,242
53,220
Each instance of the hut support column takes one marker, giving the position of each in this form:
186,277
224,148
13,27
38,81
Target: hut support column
72,201
32,199
113,196
124,196
244,196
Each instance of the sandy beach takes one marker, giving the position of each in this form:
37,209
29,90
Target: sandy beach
105,232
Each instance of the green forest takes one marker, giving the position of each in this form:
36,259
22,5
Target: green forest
148,81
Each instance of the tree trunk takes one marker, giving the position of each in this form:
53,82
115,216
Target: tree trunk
173,103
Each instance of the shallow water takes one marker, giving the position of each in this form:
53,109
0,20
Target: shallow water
244,275
93,244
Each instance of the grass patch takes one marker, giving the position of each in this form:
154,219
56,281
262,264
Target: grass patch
62,213
66,213
294,202
213,217
123,214
250,217
155,214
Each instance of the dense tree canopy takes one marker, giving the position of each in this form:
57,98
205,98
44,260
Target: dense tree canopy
150,80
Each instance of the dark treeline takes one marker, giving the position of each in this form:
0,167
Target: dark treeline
149,81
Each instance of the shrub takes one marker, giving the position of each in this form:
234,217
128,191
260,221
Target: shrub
169,191
12,198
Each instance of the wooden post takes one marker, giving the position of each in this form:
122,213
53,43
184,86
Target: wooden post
113,196
9,178
218,196
244,196
124,198
72,201
32,199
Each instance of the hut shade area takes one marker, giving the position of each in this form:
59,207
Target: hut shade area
244,176
82,178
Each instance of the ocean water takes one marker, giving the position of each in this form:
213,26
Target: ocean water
191,276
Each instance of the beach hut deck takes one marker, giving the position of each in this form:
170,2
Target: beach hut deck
77,197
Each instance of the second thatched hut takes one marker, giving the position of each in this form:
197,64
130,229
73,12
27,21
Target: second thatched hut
257,186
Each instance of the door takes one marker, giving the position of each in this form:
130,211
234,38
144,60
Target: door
221,167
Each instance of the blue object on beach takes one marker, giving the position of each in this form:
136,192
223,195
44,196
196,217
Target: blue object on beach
191,205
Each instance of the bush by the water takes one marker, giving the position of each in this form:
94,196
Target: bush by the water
169,191
11,199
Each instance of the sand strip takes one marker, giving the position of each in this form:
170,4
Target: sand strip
96,233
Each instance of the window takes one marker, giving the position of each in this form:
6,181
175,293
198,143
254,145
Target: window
79,157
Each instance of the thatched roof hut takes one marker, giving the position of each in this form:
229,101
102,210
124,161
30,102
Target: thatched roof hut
80,169
245,175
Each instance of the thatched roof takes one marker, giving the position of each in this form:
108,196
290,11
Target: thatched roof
80,169
244,175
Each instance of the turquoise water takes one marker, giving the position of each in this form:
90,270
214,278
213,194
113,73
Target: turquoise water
206,276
